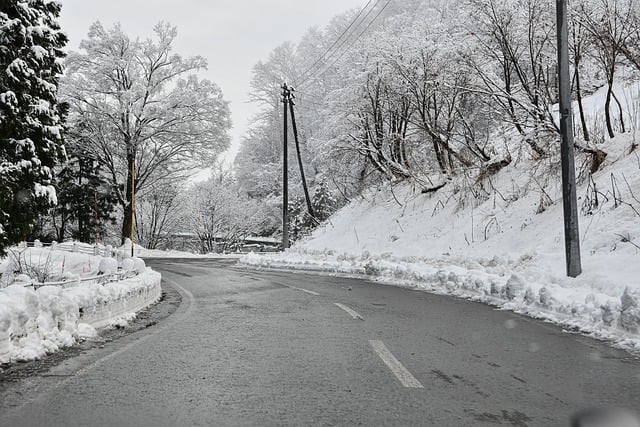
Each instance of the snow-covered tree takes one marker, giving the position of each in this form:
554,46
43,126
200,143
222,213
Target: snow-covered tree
143,110
86,200
610,26
31,142
160,210
222,217
323,201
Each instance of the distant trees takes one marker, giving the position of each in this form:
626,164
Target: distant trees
31,141
141,112
222,217
160,211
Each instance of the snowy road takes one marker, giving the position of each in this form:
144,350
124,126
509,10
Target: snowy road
274,348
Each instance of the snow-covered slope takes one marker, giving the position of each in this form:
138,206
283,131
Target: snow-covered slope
499,240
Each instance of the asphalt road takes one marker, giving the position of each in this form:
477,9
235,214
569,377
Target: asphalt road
252,347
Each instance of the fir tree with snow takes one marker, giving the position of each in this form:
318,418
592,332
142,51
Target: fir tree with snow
323,202
31,143
86,200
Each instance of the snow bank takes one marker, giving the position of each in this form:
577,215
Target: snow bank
502,249
38,320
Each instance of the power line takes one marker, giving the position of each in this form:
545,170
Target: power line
342,42
346,30
315,73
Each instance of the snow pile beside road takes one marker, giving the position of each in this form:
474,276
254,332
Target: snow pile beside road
36,320
506,249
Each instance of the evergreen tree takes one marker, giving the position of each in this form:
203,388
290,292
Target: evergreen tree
323,202
30,122
301,221
86,201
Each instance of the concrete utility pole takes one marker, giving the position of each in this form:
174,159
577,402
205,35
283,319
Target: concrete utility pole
571,234
286,94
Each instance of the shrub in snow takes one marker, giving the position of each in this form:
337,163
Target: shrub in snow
514,287
108,266
139,265
23,278
609,313
371,269
496,290
545,297
630,310
529,296
128,265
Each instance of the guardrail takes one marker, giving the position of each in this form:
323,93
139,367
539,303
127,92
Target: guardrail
108,278
117,294
75,247
97,249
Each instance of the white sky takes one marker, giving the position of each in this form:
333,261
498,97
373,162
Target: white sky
231,34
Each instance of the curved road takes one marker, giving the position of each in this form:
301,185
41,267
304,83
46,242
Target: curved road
275,348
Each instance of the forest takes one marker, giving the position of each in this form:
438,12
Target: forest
432,93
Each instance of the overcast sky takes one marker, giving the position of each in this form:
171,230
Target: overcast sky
231,34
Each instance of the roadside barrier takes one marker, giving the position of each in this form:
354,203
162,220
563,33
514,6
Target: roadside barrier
119,288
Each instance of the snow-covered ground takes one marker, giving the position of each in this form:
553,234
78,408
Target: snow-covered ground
76,298
504,247
158,253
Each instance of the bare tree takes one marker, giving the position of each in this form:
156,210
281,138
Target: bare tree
609,28
159,211
518,37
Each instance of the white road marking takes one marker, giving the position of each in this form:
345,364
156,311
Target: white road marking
305,290
403,375
353,313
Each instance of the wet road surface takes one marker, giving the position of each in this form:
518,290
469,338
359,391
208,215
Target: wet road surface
250,347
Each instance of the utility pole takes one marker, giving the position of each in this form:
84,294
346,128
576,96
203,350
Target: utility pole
295,135
133,197
286,94
571,234
95,214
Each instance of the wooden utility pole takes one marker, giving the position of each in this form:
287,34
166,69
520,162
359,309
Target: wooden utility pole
95,214
133,197
295,136
571,233
286,94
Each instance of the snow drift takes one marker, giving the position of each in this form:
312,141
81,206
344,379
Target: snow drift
36,320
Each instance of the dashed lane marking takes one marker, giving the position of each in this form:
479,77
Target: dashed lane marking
351,312
403,375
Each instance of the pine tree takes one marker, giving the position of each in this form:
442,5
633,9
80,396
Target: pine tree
30,121
299,224
86,201
323,202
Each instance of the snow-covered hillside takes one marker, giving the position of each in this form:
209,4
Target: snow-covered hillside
499,239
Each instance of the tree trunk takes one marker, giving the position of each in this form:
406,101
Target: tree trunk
126,221
621,114
583,121
607,113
